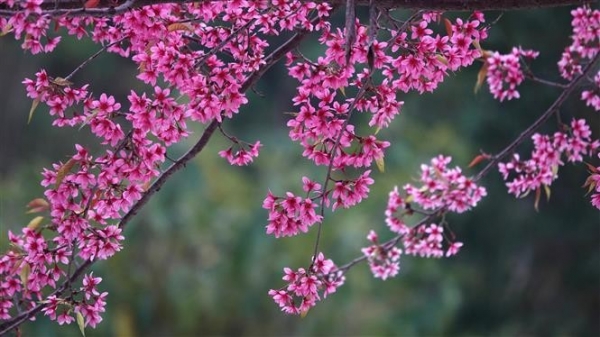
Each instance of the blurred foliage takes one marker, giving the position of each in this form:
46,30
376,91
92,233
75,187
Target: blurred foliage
196,260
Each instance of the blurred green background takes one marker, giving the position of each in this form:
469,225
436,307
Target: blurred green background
197,261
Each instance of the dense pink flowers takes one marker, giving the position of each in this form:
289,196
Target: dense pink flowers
384,262
546,158
504,72
444,187
586,42
305,287
197,71
443,190
592,96
290,215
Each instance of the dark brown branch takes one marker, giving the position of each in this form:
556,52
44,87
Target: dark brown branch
113,7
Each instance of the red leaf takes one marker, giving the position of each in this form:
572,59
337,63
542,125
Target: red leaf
448,26
91,3
481,77
478,160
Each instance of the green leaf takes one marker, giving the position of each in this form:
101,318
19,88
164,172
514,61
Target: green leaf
380,164
547,190
35,223
6,29
24,274
538,193
80,323
63,170
89,118
34,105
62,82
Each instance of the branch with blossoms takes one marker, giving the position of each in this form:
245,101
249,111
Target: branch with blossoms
102,243
104,8
444,189
211,53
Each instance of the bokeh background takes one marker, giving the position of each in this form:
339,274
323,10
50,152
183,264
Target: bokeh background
197,261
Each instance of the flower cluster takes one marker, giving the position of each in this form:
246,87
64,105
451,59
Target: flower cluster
242,156
419,62
394,205
28,24
586,42
322,125
58,94
89,307
207,53
303,287
504,72
426,241
444,187
384,262
546,158
290,215
592,96
443,190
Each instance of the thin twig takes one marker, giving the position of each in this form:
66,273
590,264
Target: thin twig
359,96
220,46
93,57
545,82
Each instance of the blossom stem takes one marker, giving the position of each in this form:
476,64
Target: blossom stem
96,54
359,95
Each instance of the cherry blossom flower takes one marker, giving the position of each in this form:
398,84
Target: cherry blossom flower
305,288
546,158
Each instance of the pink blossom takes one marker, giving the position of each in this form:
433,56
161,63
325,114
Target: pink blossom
241,157
546,158
383,262
504,73
585,42
445,188
304,289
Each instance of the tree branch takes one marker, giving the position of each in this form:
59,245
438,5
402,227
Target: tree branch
112,7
